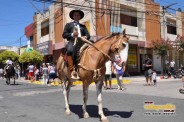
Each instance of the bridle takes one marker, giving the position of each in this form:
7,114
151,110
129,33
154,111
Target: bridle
97,72
117,47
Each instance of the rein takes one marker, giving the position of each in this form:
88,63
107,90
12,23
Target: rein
97,73
88,42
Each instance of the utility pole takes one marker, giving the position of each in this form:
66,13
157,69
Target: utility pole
22,71
165,28
20,46
165,19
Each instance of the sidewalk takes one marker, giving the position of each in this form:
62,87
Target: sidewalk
126,80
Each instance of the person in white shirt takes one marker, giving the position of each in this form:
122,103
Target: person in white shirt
172,64
31,71
52,73
154,77
108,74
45,74
8,63
1,73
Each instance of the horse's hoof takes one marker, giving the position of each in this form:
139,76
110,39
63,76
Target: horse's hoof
181,91
68,112
86,115
105,119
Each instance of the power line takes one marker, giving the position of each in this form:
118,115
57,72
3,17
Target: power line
92,9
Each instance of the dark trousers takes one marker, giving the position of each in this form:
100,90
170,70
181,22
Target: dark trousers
73,50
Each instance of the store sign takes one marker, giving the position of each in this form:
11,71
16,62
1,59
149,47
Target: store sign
45,48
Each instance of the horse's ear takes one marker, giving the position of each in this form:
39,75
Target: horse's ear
124,32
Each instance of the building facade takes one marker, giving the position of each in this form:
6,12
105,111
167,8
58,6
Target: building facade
141,18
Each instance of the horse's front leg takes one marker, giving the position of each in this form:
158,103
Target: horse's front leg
66,91
85,98
99,95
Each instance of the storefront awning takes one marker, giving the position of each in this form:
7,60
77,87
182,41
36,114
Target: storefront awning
29,30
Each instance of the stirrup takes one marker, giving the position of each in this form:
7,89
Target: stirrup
74,75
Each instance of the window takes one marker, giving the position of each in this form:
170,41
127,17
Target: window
128,20
171,29
45,28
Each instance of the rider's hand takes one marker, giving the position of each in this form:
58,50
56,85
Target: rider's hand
84,37
75,34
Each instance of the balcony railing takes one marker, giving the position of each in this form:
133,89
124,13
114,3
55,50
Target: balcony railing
44,38
130,30
171,37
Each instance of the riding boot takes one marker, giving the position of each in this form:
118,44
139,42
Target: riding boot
74,74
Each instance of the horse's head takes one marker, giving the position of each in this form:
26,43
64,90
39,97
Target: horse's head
120,48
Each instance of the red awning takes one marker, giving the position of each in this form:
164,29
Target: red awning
29,30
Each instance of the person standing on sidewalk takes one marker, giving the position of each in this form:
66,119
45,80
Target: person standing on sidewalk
52,73
45,74
108,74
172,64
148,70
18,71
1,73
154,77
31,71
118,71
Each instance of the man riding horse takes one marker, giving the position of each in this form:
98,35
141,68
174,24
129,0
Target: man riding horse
73,32
9,63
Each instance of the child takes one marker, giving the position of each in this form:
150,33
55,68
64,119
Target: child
154,77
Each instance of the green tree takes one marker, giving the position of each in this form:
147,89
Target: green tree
34,57
8,54
161,48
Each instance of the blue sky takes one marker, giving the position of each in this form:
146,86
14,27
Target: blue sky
15,15
180,3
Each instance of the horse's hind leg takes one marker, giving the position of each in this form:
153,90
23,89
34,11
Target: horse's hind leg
85,98
14,80
7,81
99,95
66,91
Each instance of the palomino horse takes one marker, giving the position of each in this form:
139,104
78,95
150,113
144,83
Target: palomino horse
10,72
92,68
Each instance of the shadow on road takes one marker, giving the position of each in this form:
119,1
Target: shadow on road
93,111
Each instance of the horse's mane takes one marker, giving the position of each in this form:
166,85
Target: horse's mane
107,37
86,45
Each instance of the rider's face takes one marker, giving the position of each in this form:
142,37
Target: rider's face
76,16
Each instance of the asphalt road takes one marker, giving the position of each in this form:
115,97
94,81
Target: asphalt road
26,102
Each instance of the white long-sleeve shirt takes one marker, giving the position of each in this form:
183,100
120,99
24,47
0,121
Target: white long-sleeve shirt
108,66
9,62
154,76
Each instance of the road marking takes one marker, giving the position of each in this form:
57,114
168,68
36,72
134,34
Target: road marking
30,93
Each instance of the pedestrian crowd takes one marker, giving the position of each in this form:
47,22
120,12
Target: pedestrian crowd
46,71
